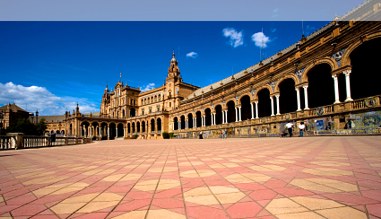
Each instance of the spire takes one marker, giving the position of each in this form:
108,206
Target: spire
173,70
173,57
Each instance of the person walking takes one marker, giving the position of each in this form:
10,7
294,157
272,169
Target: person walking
301,129
289,126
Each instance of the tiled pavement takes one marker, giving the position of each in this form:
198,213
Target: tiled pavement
311,177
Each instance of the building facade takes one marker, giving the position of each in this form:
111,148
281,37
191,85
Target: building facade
326,80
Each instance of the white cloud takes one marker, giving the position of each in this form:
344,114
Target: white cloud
148,87
235,37
260,39
39,98
192,55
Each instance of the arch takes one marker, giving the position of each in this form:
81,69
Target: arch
138,128
245,107
208,117
231,111
287,76
218,110
152,124
175,123
326,60
320,86
84,127
198,119
70,129
266,87
120,132
346,60
143,126
190,120
132,112
264,102
287,99
365,65
133,126
112,128
158,122
182,122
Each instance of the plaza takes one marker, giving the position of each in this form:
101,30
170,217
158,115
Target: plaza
310,177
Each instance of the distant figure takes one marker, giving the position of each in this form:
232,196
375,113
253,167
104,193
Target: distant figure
289,126
301,129
224,133
200,135
283,131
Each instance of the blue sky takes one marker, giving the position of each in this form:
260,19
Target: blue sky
74,61
53,56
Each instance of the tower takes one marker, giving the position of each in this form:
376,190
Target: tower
172,84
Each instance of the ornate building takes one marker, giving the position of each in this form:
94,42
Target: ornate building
11,113
327,80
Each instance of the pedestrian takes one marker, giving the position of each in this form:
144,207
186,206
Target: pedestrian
225,133
200,135
301,129
289,126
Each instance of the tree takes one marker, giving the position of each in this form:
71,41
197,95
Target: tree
27,127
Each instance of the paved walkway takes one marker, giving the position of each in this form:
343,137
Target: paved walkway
312,177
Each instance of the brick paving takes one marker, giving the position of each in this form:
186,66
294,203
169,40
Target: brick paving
311,177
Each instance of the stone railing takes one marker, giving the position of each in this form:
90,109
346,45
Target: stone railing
19,141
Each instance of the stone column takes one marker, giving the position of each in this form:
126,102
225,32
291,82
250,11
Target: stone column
214,118
336,87
277,104
305,97
236,114
272,106
252,110
204,119
348,85
108,132
116,132
186,124
298,98
100,131
223,117
178,125
256,109
226,117
239,113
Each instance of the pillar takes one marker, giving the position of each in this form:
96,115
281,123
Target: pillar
306,97
277,104
336,87
252,110
236,114
116,130
348,85
108,132
298,98
239,113
256,109
272,106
